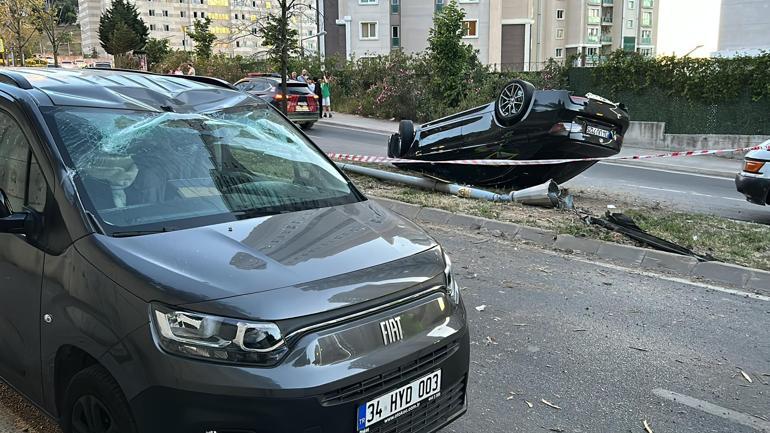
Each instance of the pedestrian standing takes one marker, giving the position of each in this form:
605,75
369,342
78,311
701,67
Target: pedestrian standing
311,85
326,94
318,95
178,71
304,77
294,76
190,69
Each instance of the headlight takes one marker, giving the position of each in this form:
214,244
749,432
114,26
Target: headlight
453,289
217,338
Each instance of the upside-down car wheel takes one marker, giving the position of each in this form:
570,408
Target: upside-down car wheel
406,132
513,101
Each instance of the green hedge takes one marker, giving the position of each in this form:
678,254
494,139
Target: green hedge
693,96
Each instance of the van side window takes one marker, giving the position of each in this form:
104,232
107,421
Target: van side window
20,175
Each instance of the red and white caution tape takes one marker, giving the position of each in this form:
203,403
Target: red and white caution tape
509,162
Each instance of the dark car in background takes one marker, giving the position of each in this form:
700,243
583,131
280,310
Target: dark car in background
521,124
177,257
302,105
754,179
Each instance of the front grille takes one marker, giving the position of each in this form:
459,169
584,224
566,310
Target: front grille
398,376
429,416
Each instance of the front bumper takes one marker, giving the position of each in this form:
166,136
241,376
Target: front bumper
756,189
189,396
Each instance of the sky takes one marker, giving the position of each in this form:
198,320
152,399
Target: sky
685,24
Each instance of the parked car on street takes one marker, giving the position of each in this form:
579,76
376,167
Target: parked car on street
302,105
754,180
521,124
176,256
101,65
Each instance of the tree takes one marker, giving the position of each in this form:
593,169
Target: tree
451,59
122,31
47,17
281,39
69,11
14,18
157,50
203,38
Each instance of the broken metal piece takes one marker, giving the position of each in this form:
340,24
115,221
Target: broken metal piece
548,195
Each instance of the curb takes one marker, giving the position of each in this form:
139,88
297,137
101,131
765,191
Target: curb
748,279
342,124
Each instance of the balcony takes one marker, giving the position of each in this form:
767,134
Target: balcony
645,41
649,4
394,9
594,20
395,42
608,3
592,39
606,39
607,20
594,2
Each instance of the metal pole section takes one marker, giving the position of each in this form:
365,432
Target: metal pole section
429,184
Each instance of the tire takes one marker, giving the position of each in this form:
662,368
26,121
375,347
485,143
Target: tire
94,403
307,126
394,144
513,101
406,132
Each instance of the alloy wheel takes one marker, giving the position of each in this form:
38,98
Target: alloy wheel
90,415
511,100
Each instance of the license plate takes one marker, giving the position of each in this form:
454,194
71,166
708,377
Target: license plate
399,401
603,133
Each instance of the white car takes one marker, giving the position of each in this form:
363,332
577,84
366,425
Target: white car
754,180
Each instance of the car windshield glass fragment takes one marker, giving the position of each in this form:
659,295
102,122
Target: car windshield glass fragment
142,170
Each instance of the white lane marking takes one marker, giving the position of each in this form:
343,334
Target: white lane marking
366,131
683,192
710,408
683,173
640,272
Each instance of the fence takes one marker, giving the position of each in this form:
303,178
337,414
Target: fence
683,116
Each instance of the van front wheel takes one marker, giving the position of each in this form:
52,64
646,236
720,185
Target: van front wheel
94,403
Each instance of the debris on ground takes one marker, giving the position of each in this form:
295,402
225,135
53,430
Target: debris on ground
529,404
641,349
746,376
647,427
490,340
549,404
481,308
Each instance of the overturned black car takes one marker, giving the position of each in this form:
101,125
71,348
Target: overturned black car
522,124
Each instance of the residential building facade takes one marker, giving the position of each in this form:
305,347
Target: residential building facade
508,34
234,22
743,28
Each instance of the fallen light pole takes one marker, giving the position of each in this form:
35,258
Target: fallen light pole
546,195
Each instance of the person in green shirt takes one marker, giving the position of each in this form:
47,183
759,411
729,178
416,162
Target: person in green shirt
326,97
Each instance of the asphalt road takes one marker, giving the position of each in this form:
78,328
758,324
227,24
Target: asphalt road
610,347
673,190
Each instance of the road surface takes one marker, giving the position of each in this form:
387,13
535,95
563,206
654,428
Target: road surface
610,347
674,190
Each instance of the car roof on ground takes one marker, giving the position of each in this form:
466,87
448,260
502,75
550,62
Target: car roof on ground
116,88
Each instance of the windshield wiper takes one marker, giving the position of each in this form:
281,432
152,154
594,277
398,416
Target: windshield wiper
129,233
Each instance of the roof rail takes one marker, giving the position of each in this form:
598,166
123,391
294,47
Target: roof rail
14,79
197,78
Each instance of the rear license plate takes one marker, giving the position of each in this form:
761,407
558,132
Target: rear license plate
399,401
599,132
302,108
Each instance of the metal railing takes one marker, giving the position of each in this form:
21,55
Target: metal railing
606,39
594,19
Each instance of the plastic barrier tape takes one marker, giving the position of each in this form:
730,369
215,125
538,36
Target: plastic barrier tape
507,162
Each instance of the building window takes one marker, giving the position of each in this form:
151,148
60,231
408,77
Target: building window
166,27
439,5
647,3
591,52
368,30
559,14
195,14
467,1
559,33
368,2
395,36
632,4
237,44
470,28
559,53
646,52
647,19
203,14
594,16
151,12
181,14
152,27
165,13
646,37
395,6
630,24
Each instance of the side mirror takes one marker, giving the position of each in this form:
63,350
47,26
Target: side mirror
13,222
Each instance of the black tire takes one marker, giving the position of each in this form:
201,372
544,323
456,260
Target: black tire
94,403
393,145
513,101
307,126
406,132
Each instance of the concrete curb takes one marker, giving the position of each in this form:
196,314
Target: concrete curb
342,124
752,280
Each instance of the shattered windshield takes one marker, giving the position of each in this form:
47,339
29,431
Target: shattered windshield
157,171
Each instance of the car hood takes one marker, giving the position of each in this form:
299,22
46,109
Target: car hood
258,255
762,154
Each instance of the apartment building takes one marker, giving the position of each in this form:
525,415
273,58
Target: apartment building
235,22
508,34
743,28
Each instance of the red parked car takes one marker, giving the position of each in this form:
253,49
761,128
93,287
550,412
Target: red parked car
303,105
